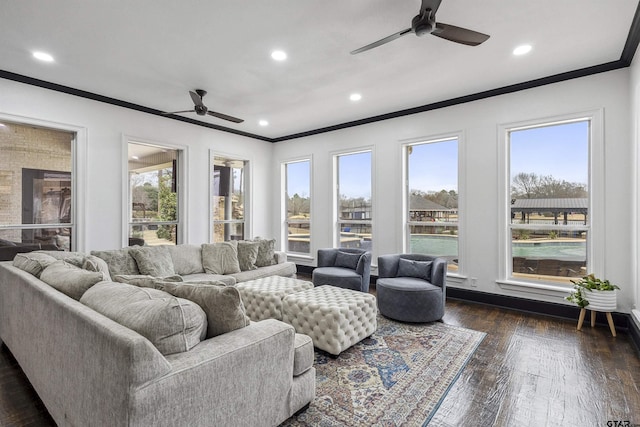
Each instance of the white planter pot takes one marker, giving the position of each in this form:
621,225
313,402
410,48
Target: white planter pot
601,300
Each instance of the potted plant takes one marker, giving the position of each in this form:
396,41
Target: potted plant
594,294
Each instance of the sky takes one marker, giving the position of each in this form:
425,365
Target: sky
560,150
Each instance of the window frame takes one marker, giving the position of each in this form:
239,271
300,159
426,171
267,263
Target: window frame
596,205
284,208
247,186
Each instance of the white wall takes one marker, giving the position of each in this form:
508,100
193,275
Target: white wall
479,122
105,126
635,137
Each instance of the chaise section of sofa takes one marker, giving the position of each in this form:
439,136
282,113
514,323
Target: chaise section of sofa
90,370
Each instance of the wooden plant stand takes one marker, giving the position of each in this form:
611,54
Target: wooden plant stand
583,312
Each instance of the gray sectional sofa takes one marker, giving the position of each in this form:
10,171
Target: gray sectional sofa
91,370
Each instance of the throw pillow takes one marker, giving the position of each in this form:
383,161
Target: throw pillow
222,304
172,324
248,254
153,260
187,259
347,260
220,258
74,258
119,261
33,262
98,265
266,252
143,281
69,279
417,269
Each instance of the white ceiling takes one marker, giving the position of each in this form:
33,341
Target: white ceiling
152,52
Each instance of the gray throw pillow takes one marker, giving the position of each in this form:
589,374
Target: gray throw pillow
69,279
74,258
417,269
172,324
153,260
266,252
33,262
144,281
187,259
222,304
220,258
98,265
248,254
347,260
119,261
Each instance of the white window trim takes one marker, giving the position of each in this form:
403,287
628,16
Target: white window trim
248,196
283,208
183,165
335,194
79,159
596,238
462,176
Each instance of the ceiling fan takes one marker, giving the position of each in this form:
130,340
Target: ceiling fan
425,23
200,109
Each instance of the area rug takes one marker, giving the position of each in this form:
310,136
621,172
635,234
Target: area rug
397,377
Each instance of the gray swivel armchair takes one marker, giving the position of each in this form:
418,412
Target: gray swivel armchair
411,287
347,268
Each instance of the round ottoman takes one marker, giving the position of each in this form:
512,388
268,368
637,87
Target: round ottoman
409,299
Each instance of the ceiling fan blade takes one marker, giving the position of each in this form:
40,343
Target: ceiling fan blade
225,117
459,34
183,111
197,99
380,42
430,4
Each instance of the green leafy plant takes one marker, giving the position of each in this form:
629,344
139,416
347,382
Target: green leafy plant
587,284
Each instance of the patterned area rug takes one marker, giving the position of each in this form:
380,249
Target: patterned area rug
398,377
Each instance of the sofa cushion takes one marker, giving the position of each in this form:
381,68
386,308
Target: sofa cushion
187,259
74,258
220,258
222,304
266,252
144,281
228,280
33,262
248,254
172,324
417,269
93,263
347,260
119,261
285,269
153,260
69,279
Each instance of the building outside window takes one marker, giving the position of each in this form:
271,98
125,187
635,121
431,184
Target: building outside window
549,205
153,193
432,199
230,181
297,199
353,200
37,195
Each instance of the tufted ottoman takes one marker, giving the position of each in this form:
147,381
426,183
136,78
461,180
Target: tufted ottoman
262,298
334,318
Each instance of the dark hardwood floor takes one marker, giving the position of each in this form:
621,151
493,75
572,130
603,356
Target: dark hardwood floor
529,371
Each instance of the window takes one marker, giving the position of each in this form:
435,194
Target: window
432,199
297,199
229,198
353,200
549,205
37,182
153,194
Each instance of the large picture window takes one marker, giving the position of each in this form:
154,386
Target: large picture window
297,199
229,198
550,221
432,199
36,186
153,192
353,200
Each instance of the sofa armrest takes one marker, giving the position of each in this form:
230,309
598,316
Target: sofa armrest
280,257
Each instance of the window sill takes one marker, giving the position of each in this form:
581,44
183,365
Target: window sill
300,257
534,288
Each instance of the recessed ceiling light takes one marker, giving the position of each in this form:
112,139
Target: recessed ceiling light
355,97
279,55
522,49
43,56
135,157
263,123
